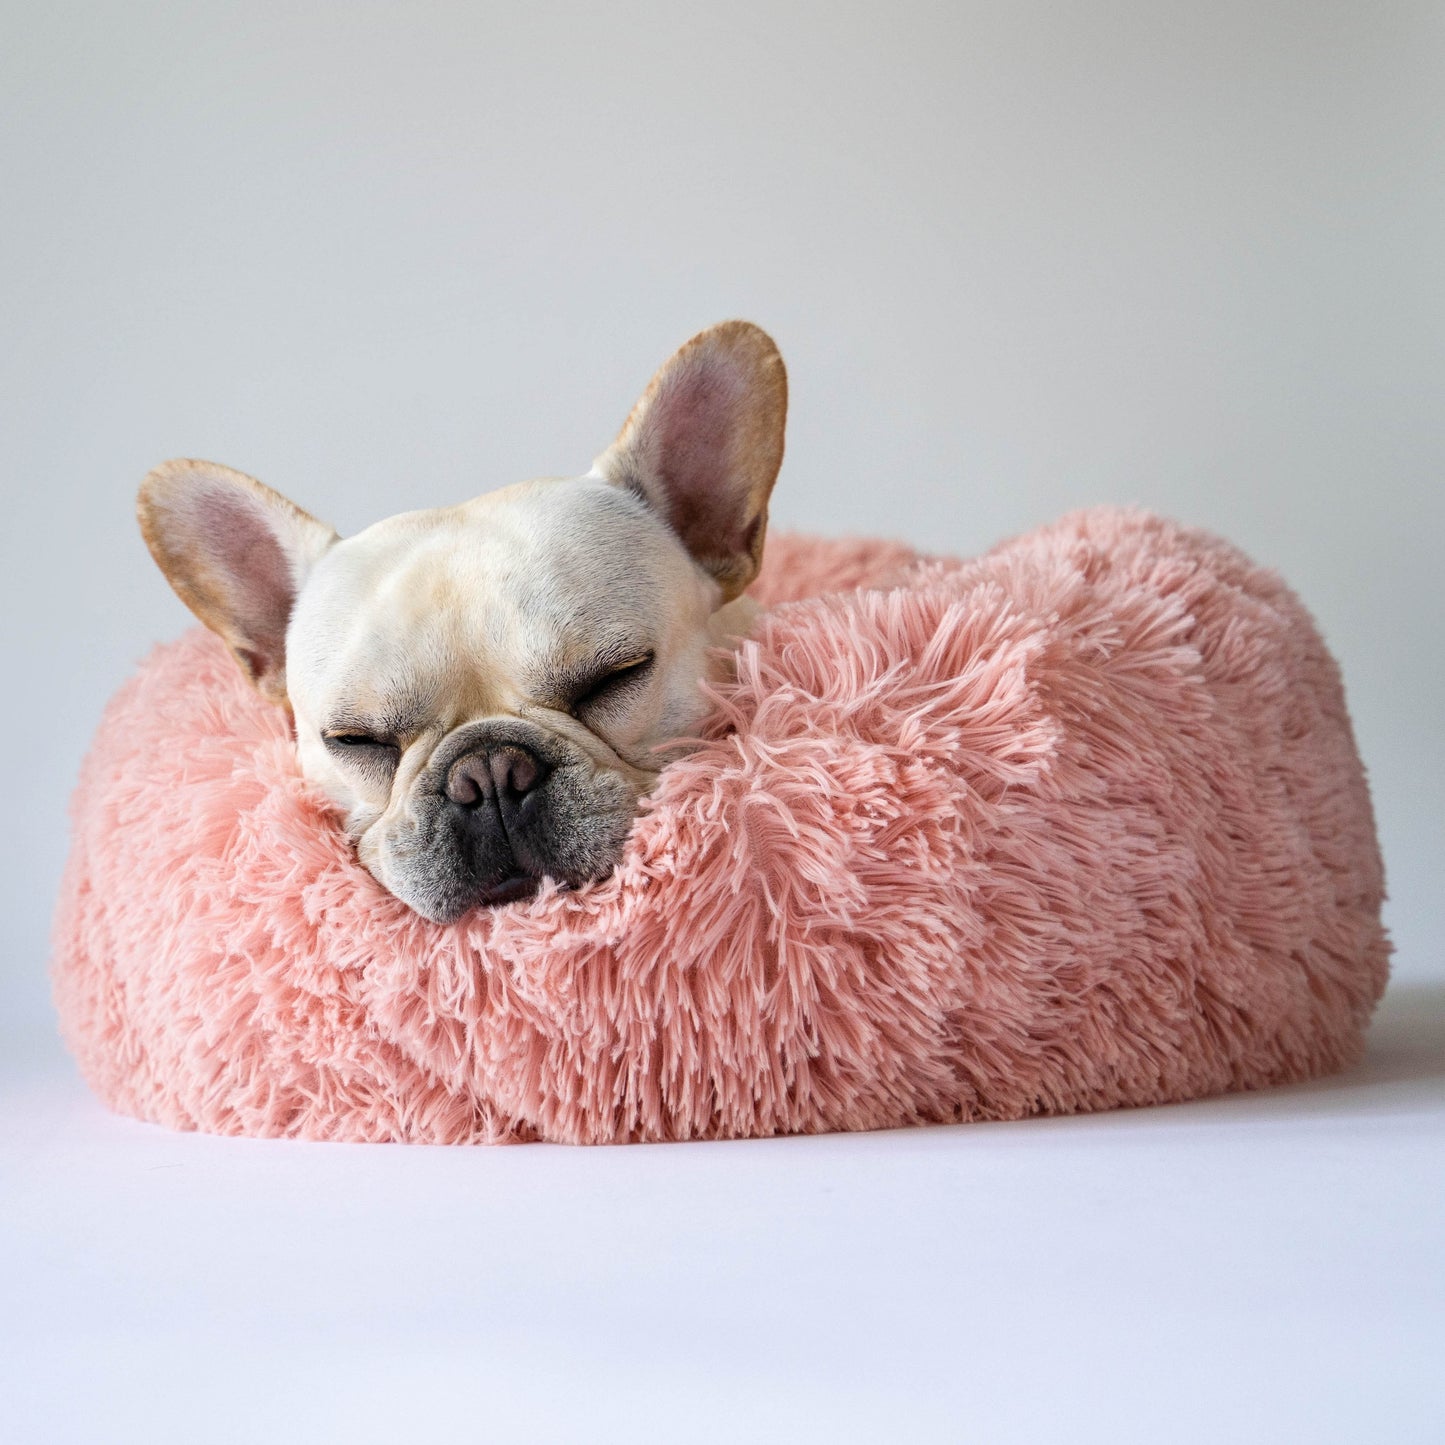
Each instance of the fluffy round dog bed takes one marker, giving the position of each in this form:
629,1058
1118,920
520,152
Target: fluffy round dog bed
1077,825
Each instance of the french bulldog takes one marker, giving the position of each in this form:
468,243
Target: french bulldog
486,691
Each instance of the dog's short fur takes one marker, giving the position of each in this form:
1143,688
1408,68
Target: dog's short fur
486,690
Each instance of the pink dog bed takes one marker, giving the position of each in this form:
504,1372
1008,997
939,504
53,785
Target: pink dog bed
1077,825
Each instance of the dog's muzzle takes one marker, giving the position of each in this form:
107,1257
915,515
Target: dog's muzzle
503,805
494,791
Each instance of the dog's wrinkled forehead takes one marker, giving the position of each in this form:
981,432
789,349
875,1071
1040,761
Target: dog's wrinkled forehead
479,608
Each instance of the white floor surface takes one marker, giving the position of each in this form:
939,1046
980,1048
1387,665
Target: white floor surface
1261,1268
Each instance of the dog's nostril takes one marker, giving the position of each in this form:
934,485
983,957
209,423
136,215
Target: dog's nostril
514,771
507,773
468,781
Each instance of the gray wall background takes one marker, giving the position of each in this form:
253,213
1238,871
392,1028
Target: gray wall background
1020,258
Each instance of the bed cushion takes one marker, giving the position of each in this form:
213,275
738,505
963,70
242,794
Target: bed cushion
1076,825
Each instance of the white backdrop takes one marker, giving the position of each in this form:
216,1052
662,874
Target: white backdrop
1020,258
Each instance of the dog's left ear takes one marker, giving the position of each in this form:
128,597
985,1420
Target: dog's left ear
237,554
704,444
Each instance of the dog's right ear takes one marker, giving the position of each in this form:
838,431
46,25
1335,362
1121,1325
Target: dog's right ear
236,553
704,444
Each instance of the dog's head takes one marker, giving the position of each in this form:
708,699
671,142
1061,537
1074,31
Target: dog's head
485,690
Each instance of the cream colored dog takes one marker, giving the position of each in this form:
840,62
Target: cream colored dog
485,691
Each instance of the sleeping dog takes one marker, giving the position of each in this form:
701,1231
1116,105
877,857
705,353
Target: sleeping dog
485,691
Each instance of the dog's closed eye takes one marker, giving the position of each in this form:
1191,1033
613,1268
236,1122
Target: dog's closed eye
612,683
372,753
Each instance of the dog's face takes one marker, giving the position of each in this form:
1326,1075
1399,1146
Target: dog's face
486,691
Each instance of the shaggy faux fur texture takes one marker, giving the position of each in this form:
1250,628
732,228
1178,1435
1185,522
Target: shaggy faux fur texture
1077,825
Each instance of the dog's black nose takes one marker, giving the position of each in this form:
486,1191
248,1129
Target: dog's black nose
506,772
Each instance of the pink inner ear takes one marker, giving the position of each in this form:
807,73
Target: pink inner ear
695,424
252,568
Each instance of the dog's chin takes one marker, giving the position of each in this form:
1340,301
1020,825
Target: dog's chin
446,906
443,882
